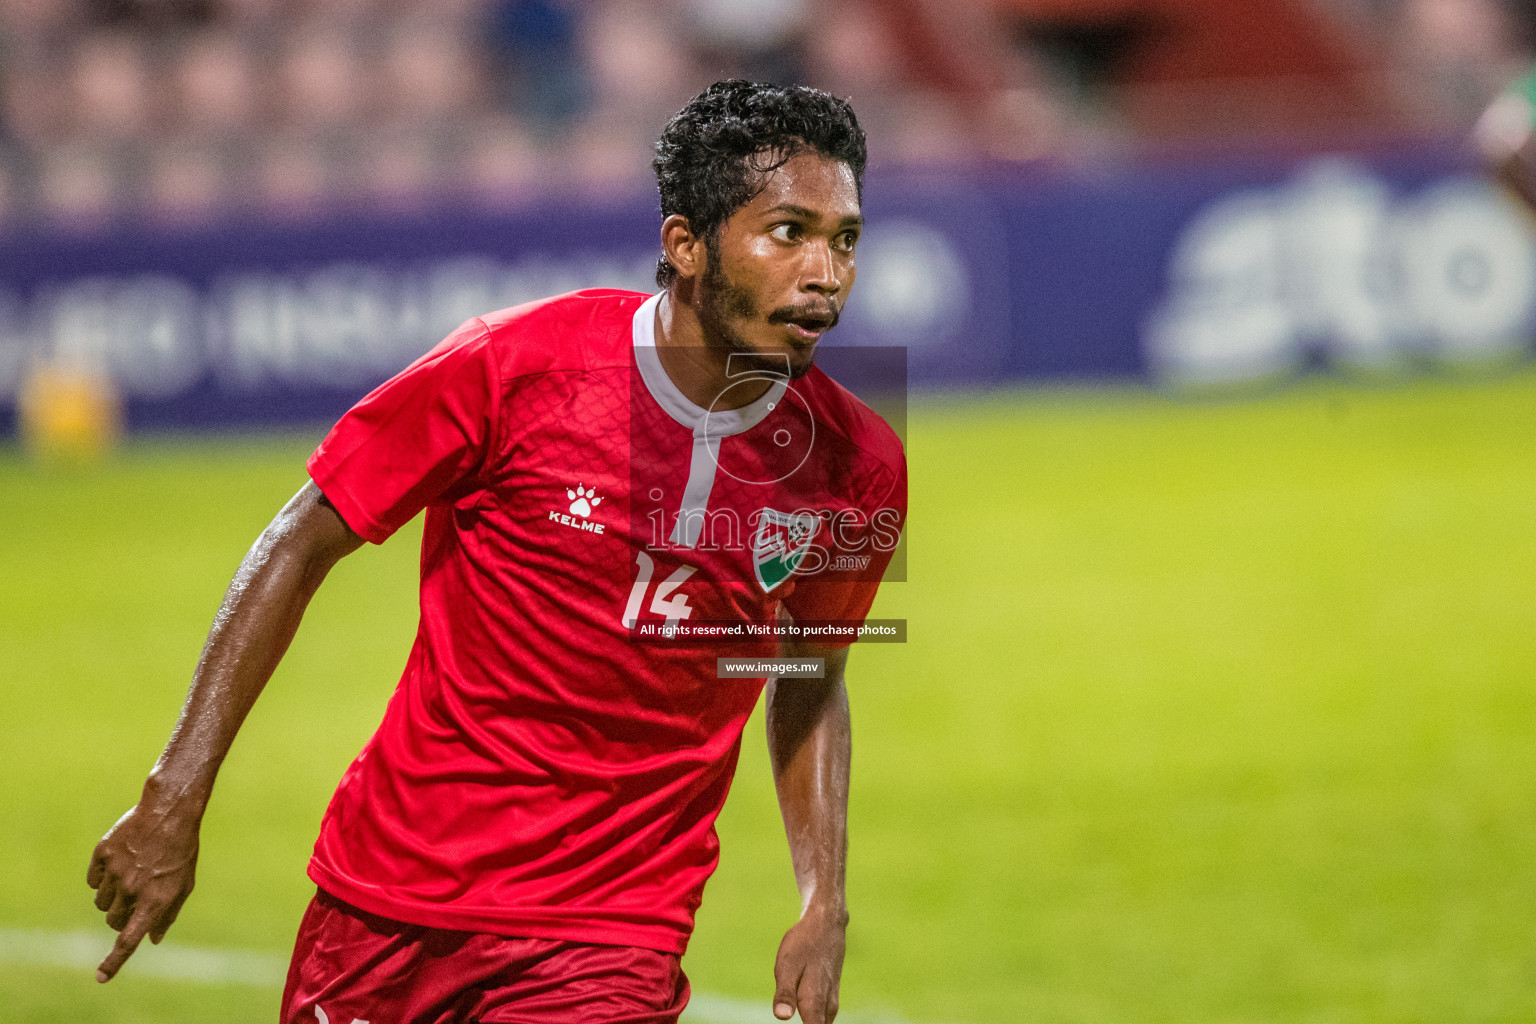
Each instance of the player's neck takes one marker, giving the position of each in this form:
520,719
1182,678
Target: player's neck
695,366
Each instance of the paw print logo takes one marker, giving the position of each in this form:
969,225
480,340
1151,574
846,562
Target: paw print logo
583,501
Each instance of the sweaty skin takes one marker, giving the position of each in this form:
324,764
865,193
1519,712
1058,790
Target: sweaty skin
772,284
809,742
784,264
143,869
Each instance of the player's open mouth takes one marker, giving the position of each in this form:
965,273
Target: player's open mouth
809,328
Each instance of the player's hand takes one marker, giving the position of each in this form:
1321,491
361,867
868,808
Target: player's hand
142,871
809,968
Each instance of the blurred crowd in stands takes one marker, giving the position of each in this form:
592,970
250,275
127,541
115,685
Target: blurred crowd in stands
181,110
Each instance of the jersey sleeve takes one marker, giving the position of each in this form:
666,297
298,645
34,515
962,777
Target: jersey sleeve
414,438
844,592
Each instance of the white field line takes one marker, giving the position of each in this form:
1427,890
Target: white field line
83,950
86,949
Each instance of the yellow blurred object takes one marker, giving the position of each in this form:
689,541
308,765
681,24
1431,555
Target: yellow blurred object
68,414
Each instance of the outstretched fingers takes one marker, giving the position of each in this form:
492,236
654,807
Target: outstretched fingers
127,941
142,873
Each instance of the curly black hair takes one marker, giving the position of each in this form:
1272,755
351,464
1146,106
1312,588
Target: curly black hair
717,152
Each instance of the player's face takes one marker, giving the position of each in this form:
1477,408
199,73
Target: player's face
778,276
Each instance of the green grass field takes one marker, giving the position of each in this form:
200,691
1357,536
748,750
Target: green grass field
1210,713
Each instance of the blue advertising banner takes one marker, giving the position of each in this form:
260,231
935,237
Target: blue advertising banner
1248,273
1212,276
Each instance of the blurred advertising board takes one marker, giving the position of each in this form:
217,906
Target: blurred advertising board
1222,274
1248,272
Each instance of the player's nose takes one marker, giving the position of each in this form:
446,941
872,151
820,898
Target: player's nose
822,272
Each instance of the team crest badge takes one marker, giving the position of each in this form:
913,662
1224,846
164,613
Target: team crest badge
782,540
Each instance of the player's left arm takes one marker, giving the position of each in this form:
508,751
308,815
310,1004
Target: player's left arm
809,741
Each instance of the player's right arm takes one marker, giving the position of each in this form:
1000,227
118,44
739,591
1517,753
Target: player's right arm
142,870
425,430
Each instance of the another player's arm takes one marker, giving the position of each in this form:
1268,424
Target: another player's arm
142,870
809,741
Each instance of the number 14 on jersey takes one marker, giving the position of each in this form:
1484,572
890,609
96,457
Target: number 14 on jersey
663,603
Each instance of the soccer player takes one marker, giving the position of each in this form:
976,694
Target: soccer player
528,834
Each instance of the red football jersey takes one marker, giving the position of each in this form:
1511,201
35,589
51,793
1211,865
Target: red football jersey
546,767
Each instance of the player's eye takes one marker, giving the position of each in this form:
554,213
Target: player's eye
847,240
786,232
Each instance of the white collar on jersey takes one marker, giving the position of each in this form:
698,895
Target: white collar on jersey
719,423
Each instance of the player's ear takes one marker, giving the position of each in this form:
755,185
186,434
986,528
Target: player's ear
683,249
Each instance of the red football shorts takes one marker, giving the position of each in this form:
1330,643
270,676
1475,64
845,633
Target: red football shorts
349,965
